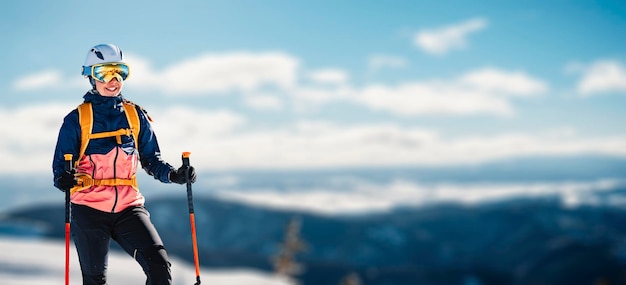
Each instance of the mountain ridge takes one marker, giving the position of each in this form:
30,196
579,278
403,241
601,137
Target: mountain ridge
511,242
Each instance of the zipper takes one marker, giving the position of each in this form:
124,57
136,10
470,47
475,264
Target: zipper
117,151
93,171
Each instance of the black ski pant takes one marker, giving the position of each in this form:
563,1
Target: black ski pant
92,231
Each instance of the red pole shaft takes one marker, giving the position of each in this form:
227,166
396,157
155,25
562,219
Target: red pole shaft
195,244
192,219
67,253
68,167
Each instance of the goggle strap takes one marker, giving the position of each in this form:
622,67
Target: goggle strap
86,71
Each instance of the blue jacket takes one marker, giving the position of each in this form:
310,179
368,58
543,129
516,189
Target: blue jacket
104,158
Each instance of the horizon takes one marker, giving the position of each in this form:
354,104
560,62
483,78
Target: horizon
583,181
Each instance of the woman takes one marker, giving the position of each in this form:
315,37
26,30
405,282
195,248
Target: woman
107,136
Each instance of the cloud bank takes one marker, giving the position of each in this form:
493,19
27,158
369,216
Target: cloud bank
222,139
227,139
357,196
208,74
277,79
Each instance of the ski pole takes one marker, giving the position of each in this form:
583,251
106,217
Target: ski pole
185,158
68,167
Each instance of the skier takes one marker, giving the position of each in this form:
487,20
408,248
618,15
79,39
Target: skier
107,136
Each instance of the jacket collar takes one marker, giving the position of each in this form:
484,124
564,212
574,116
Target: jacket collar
92,96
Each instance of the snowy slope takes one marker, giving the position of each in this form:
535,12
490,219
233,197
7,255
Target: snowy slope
42,262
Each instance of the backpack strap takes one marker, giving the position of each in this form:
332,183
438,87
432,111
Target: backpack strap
85,119
133,120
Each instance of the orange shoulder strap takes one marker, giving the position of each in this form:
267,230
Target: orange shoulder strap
133,120
85,119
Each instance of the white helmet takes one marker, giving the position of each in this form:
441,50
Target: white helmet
104,53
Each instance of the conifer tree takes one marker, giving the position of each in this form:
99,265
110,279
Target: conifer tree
284,261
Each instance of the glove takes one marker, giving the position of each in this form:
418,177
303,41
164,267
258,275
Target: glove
67,180
178,176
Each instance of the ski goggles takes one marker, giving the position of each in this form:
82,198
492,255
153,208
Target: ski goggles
105,72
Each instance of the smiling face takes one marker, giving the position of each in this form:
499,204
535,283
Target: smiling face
109,89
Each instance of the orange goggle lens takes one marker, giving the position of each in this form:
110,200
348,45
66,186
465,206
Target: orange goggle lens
106,72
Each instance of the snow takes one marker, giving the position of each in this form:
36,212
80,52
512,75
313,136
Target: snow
41,262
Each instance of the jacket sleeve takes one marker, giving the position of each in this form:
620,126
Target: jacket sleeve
68,142
149,152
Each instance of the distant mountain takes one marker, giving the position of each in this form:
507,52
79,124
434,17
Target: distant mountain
513,242
19,190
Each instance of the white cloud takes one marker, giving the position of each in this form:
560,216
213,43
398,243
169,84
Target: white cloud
222,139
261,101
482,91
434,98
47,79
307,144
29,136
329,76
496,81
236,71
359,196
39,80
602,76
322,94
205,74
182,125
440,41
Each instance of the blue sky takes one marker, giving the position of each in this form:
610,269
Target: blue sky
323,84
